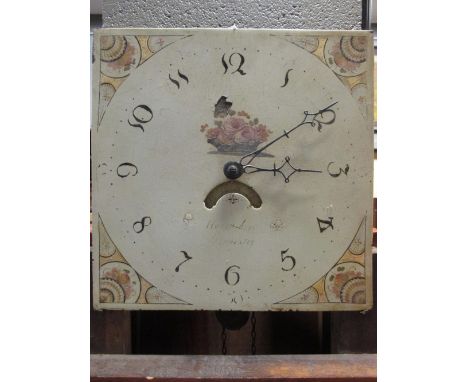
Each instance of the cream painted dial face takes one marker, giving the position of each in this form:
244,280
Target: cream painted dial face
162,138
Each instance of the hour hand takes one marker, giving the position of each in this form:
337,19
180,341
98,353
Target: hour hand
286,169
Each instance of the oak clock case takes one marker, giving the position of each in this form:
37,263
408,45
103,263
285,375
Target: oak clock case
232,169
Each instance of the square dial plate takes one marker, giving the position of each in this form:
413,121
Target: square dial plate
292,110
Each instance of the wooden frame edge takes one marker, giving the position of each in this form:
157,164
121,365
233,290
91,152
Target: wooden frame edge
329,368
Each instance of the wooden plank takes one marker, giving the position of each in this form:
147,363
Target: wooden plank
111,332
329,368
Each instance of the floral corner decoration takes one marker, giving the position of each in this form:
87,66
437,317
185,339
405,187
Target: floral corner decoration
234,132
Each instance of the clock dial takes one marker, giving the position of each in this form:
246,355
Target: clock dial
232,170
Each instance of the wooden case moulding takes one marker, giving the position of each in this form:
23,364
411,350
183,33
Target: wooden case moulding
324,368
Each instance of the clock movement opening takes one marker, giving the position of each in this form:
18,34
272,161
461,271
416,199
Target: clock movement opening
232,187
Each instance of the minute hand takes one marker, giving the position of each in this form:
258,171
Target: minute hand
314,122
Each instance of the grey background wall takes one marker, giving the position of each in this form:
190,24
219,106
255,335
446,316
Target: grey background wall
302,14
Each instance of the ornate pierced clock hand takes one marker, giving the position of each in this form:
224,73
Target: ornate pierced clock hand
314,122
234,170
249,169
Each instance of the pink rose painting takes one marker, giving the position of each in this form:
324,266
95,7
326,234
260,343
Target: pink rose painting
235,132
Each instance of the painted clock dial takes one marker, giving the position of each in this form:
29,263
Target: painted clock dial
175,227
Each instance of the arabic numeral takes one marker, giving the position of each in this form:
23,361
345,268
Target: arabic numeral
335,171
126,169
325,224
187,258
140,225
141,114
232,62
231,276
290,259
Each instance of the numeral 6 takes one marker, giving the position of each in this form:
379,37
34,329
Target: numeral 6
229,272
